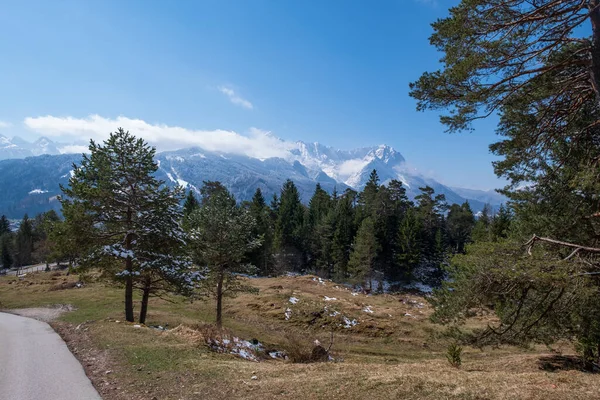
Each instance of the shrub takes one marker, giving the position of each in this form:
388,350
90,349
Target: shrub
453,355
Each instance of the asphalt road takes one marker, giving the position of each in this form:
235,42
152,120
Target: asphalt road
35,363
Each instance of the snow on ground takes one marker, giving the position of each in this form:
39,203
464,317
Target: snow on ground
368,309
319,280
349,323
327,298
294,300
288,314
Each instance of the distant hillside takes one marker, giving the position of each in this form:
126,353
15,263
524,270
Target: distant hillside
31,184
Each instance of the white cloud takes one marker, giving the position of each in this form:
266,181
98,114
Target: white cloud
235,98
4,124
74,149
257,143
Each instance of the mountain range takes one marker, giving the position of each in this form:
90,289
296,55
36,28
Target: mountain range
30,173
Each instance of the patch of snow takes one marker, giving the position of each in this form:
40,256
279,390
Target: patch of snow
319,280
349,323
327,298
294,300
354,294
171,177
288,314
368,309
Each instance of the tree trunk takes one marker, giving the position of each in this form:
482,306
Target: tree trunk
220,301
129,269
144,308
595,67
129,298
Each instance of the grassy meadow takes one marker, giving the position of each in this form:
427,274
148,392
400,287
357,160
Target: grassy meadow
384,346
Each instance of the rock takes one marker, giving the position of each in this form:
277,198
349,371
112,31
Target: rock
254,377
137,326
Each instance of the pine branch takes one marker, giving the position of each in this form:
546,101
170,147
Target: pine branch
575,246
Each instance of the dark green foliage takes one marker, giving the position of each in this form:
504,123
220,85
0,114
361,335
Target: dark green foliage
6,250
459,225
362,259
289,241
453,355
130,220
221,235
4,225
261,256
24,243
344,234
536,65
190,204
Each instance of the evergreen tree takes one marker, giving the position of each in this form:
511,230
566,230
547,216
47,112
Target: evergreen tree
500,224
367,199
24,243
4,225
129,216
409,243
261,256
430,209
6,250
221,235
481,230
289,240
536,65
362,259
190,204
319,207
459,225
344,234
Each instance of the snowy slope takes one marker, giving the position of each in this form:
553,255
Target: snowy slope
31,184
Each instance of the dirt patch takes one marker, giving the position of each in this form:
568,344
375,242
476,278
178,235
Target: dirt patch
45,314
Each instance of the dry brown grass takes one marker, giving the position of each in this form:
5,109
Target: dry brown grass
387,355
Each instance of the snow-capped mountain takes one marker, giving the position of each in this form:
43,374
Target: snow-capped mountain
20,148
32,184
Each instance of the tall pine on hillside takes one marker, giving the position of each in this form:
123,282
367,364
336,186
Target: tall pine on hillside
289,241
131,217
361,266
261,256
221,235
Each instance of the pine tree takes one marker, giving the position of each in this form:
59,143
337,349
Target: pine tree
536,64
500,224
409,244
344,234
129,216
24,243
362,259
190,204
221,235
6,250
481,230
459,225
288,240
319,207
4,225
261,256
367,199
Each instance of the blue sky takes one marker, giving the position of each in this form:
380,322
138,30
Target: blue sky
333,71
